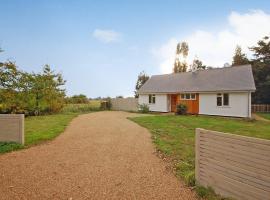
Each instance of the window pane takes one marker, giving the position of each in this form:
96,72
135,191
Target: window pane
182,96
219,101
226,99
187,96
150,98
154,98
193,96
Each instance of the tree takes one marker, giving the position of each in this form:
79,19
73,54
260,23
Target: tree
261,71
197,64
239,58
142,78
181,53
77,99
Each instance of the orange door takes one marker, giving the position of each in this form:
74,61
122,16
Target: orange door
193,105
173,102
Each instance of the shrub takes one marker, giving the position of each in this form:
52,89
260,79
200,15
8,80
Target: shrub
80,108
106,104
144,108
181,109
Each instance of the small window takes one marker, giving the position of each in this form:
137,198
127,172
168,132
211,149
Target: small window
219,100
188,96
225,99
152,98
182,96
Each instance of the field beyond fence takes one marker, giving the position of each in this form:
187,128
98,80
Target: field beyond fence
260,108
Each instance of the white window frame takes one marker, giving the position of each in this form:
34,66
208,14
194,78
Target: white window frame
221,95
151,98
184,96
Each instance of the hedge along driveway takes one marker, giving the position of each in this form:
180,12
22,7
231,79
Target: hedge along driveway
101,155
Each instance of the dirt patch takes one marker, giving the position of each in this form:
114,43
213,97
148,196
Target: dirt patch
100,156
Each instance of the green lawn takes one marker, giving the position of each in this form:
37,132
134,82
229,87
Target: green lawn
264,115
174,136
42,128
39,129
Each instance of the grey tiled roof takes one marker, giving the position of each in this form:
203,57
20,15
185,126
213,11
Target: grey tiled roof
237,78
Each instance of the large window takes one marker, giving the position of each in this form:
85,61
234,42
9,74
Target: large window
188,96
223,99
152,98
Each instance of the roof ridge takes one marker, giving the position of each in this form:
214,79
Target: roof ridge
204,70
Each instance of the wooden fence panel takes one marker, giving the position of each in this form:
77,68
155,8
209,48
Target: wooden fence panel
12,128
234,166
260,107
125,104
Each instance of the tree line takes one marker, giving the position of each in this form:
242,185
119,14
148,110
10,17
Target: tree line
30,93
260,63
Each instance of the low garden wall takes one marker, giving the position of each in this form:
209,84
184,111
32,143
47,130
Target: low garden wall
234,166
125,104
12,128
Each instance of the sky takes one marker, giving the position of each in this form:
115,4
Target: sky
100,47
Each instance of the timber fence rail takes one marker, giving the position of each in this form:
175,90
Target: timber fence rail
12,128
260,107
233,165
125,104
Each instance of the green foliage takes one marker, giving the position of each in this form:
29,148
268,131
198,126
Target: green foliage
261,71
142,78
9,146
181,51
198,64
180,66
239,58
106,104
143,108
264,115
77,99
30,93
181,109
81,108
175,138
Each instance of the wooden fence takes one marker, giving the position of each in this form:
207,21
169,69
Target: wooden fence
260,107
125,104
234,166
12,128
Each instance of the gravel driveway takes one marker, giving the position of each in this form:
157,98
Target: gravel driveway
101,155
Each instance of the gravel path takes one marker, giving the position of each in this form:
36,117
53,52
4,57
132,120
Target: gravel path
101,155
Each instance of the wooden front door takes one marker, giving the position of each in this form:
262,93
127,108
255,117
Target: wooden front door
173,102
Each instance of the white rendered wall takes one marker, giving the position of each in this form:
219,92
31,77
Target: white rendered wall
161,104
239,105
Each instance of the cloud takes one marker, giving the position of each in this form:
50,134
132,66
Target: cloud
215,48
106,36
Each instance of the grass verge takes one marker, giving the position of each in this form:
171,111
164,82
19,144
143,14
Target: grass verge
264,115
174,137
39,129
